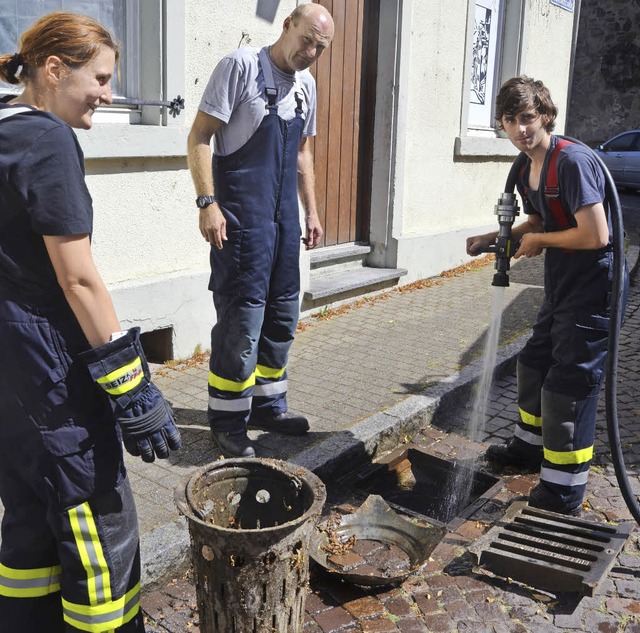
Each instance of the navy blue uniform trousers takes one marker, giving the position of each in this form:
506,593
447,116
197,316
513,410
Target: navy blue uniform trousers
561,370
69,557
255,277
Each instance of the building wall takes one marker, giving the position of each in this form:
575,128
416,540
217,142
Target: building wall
429,195
447,196
605,95
146,240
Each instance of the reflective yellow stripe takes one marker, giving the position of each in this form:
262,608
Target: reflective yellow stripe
569,457
529,419
268,372
29,583
103,617
91,554
261,371
230,385
123,379
28,574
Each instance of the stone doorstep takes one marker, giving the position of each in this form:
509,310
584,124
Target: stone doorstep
336,254
362,278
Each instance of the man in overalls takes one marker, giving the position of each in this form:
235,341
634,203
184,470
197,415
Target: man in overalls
260,107
561,368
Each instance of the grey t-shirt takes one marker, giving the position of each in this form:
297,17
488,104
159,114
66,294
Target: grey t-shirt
236,95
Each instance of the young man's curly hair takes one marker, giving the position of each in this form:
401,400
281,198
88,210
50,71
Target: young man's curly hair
518,94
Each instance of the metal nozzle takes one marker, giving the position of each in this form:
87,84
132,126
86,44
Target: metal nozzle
500,279
507,210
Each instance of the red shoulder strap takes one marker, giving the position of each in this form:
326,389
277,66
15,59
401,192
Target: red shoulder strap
552,190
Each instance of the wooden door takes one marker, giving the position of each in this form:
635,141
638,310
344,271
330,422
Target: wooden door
345,77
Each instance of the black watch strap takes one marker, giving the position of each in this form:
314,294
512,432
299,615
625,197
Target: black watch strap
202,202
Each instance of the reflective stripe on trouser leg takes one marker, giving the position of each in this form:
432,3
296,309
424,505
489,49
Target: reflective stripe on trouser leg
234,352
29,563
276,338
533,364
101,564
528,433
86,571
29,583
569,434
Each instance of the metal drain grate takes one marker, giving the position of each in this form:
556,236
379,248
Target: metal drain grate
550,551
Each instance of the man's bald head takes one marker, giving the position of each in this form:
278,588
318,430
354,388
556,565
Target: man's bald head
306,33
314,12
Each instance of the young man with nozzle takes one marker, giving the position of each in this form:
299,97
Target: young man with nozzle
259,107
561,368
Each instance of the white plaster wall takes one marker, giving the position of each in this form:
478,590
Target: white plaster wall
215,27
442,194
145,222
146,240
547,51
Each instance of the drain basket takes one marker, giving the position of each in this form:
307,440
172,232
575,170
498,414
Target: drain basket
414,481
250,522
375,521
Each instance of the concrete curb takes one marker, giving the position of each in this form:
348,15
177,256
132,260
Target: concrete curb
383,431
165,551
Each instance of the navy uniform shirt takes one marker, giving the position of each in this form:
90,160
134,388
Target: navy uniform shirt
580,180
42,192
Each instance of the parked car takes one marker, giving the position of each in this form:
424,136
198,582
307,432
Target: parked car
621,155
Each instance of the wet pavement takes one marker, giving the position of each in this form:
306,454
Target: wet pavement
401,369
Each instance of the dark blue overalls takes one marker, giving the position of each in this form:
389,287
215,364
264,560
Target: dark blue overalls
255,278
69,558
561,368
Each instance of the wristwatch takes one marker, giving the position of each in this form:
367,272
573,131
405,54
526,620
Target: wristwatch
202,202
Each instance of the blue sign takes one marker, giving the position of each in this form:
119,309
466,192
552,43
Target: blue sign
564,4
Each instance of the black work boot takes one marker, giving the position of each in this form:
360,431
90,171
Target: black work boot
234,443
540,497
509,454
286,423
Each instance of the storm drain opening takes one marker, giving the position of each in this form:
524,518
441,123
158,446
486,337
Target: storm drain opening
418,483
550,551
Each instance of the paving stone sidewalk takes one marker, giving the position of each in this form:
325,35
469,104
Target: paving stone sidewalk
346,367
437,331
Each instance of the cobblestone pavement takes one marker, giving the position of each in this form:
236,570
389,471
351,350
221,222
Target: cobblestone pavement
449,593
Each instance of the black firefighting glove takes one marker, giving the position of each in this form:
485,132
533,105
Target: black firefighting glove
145,418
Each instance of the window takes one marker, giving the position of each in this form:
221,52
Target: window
493,55
623,143
485,56
119,17
152,38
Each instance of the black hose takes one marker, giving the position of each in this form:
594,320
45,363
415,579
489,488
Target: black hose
518,164
617,298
